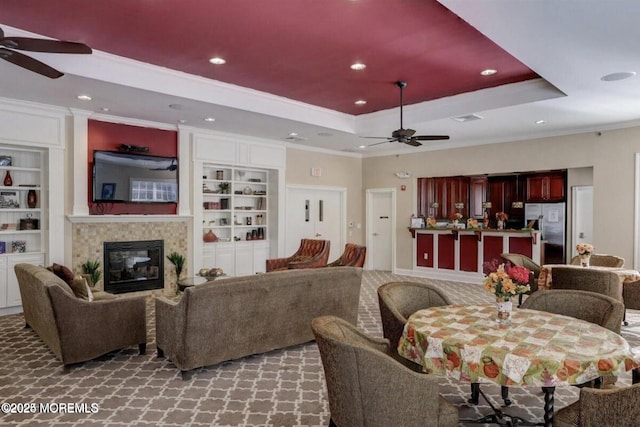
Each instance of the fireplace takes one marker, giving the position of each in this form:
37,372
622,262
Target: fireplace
133,266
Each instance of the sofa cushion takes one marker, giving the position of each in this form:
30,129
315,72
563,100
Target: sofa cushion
62,272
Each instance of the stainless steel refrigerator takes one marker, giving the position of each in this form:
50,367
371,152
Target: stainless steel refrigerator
550,219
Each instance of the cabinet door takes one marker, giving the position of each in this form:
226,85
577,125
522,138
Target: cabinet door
556,188
496,196
478,194
4,282
536,188
260,256
13,289
244,259
226,257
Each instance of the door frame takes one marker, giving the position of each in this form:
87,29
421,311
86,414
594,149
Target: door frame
574,216
342,191
369,195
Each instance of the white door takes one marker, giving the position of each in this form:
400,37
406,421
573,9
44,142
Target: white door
582,216
380,235
315,213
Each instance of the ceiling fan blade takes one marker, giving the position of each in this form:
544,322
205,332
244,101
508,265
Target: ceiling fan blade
412,142
44,45
383,142
430,137
29,63
375,137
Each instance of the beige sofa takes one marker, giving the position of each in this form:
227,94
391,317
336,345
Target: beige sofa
77,330
230,318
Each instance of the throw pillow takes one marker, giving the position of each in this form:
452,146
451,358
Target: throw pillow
80,288
63,272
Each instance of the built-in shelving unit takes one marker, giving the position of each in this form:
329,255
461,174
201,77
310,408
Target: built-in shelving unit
23,218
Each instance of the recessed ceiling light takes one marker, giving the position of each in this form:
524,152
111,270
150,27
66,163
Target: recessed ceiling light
488,72
84,98
362,146
182,121
105,109
618,76
292,134
540,122
209,119
360,102
217,61
358,66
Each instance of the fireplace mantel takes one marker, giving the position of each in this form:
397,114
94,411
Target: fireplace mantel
94,219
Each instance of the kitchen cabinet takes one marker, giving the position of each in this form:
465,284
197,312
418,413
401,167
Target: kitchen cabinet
503,191
446,192
477,195
546,187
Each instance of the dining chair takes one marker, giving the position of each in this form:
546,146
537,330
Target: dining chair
614,407
631,295
588,306
398,301
601,260
524,261
587,279
368,387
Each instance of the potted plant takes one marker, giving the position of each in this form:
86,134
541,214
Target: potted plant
178,261
92,269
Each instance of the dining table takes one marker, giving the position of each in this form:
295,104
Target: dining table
545,278
538,348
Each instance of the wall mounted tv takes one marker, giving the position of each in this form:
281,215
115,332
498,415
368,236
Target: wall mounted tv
134,178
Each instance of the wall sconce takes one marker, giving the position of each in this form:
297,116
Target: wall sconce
517,205
459,205
435,205
486,205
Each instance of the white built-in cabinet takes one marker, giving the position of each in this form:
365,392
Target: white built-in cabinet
236,187
23,219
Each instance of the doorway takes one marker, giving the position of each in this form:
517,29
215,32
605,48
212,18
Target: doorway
315,213
381,238
582,219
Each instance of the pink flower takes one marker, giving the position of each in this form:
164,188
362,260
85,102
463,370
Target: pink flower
518,273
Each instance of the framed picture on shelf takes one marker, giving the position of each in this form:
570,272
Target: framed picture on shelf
9,200
108,191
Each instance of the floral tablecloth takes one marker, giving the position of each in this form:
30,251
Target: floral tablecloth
544,279
539,348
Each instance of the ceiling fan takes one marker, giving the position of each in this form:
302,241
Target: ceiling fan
7,44
406,136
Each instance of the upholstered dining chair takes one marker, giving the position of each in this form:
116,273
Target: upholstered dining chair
398,301
524,261
614,407
312,253
588,306
368,387
353,256
601,260
586,279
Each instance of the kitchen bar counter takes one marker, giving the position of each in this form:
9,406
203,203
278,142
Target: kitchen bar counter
458,254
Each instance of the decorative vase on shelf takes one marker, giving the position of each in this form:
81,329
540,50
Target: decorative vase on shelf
8,181
500,225
32,199
504,308
585,259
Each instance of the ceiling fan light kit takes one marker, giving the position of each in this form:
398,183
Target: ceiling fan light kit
406,136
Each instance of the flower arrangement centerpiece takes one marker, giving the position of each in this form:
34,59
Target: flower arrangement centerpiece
585,250
501,217
431,223
472,223
505,280
455,217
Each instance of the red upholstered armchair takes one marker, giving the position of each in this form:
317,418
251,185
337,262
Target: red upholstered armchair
311,254
353,256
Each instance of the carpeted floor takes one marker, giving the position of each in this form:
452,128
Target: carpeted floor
280,388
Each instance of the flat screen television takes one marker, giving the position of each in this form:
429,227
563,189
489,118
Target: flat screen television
134,178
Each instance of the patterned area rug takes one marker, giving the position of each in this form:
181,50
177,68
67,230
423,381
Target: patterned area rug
280,388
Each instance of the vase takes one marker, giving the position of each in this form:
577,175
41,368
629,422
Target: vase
500,224
32,199
455,222
8,181
504,308
584,260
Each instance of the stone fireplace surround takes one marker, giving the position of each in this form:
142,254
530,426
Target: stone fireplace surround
88,239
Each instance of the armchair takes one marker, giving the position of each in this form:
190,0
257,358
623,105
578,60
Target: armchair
367,387
353,256
524,261
601,260
602,407
312,253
